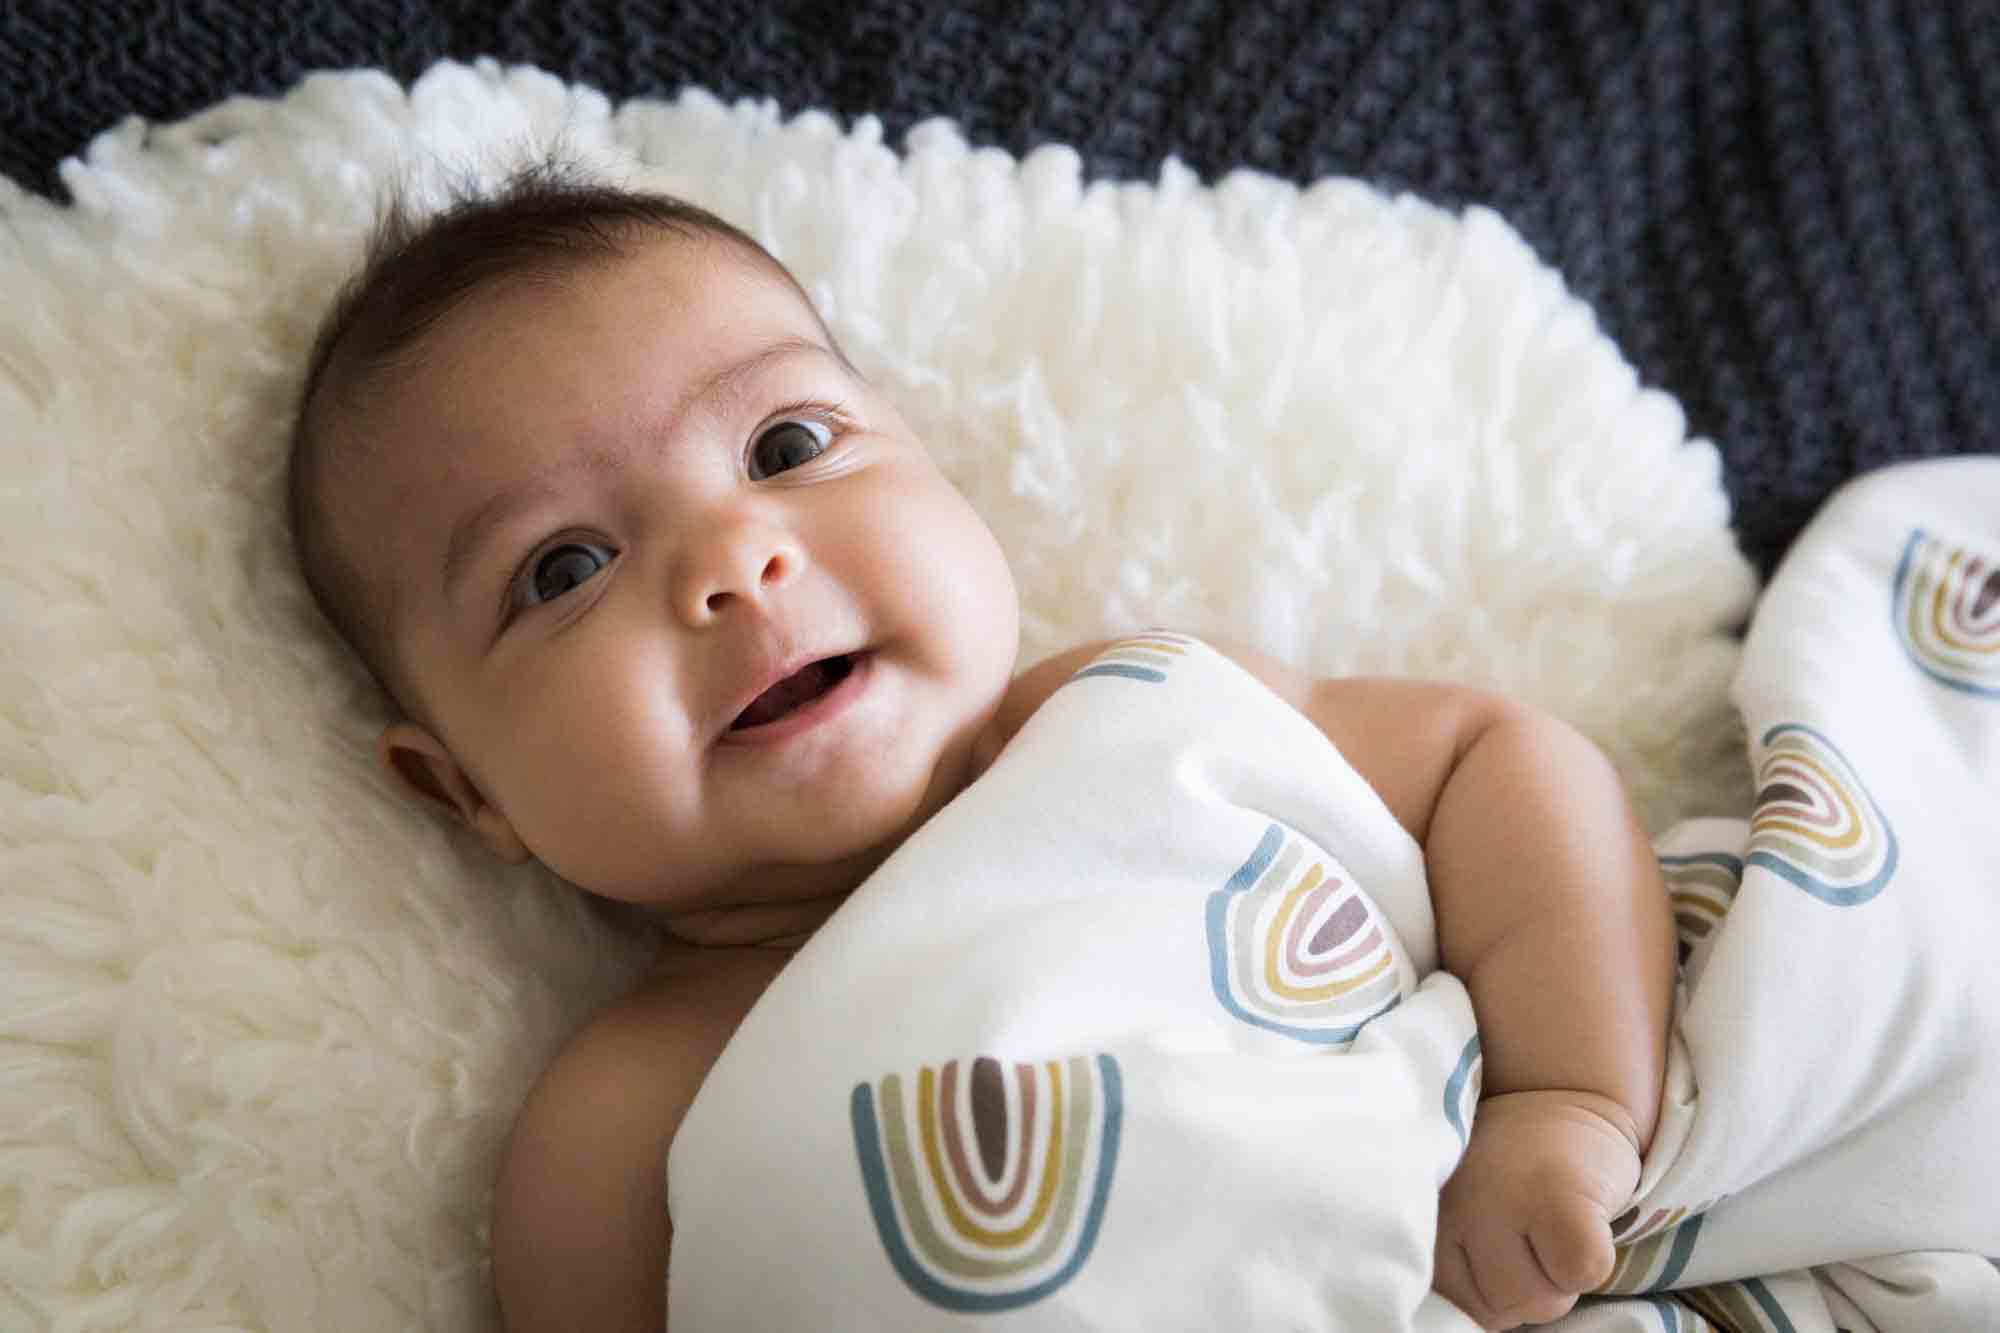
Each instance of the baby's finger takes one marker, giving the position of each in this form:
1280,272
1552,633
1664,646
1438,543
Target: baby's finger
1507,1273
1451,1276
1573,1246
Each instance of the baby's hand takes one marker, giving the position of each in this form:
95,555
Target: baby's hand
1524,1224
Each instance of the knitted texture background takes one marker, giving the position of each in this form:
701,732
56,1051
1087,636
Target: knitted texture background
1787,215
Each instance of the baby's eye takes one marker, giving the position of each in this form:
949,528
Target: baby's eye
786,445
563,567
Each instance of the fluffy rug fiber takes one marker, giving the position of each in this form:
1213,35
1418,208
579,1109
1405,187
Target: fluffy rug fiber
263,1027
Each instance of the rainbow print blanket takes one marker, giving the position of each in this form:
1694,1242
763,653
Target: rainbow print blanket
1146,1029
1834,1077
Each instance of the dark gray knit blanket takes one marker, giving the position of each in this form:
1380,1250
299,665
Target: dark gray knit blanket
1786,213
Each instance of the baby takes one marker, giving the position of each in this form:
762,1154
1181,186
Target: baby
670,598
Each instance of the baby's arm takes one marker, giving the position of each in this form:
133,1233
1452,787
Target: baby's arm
1551,909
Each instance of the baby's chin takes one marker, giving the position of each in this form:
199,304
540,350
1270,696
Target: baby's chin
866,825
777,832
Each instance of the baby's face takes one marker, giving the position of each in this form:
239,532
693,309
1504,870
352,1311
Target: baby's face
686,600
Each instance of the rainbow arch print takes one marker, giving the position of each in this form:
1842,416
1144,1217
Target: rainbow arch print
1461,1090
1701,886
1815,823
1295,947
1652,1249
1147,657
1947,613
987,1182
1743,1306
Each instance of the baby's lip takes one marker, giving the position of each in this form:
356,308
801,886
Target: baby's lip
772,673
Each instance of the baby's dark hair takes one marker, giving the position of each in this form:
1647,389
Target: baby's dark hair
547,219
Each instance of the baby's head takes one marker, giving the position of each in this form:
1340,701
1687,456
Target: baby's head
666,594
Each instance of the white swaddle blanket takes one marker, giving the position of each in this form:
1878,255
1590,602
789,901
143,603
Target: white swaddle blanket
1044,1058
1145,1029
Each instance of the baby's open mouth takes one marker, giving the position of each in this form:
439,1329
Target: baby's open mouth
800,688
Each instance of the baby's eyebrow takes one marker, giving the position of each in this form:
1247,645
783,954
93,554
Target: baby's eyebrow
477,526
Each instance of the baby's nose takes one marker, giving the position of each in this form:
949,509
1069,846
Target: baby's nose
743,562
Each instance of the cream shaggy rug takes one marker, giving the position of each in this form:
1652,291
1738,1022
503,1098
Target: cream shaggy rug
263,1027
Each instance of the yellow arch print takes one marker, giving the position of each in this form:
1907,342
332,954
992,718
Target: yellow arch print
1842,868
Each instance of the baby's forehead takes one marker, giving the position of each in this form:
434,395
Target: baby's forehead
444,407
693,283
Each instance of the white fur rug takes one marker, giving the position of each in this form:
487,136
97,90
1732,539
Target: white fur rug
263,1027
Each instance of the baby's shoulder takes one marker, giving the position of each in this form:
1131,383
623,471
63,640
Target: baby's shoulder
1404,737
580,1207
1031,688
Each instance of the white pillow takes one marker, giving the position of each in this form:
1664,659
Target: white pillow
263,1027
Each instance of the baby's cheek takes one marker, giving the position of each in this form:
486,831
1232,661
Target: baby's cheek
958,574
603,777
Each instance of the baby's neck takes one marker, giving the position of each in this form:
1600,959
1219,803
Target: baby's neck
765,925
778,907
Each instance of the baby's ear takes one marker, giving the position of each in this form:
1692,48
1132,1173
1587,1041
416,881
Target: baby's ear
422,766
